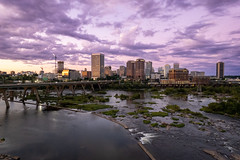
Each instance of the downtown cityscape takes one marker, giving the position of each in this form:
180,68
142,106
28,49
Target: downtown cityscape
139,70
119,80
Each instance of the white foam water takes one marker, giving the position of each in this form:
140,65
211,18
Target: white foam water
147,137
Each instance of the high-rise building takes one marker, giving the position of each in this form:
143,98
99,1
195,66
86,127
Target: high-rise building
130,69
60,66
175,65
108,71
148,69
167,67
122,71
97,65
139,69
220,70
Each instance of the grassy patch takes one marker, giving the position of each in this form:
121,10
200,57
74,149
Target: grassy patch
147,108
135,96
163,125
132,113
91,107
178,125
122,96
154,124
151,102
175,119
160,114
117,101
111,113
146,121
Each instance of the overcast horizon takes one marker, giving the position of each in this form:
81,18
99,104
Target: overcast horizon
196,34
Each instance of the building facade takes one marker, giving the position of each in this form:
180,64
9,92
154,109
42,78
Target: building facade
97,65
167,67
86,74
60,67
220,70
122,71
148,69
108,71
178,74
175,65
197,73
130,69
139,69
70,74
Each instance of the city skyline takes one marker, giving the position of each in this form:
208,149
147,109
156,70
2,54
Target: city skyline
195,34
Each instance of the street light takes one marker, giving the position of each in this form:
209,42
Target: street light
55,62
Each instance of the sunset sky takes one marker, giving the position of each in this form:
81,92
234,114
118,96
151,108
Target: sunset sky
195,33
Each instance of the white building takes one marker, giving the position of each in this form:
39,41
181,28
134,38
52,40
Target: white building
167,67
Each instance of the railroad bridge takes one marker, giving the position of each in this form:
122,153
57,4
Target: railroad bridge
8,89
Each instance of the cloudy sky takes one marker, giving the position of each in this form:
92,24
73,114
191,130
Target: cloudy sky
194,33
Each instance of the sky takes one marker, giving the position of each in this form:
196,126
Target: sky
196,34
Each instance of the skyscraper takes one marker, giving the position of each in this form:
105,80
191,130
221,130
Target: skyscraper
130,69
60,67
140,69
97,65
167,67
148,69
122,71
175,65
220,70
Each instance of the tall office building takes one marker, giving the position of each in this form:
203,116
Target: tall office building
97,65
130,69
175,65
148,69
167,67
122,71
220,70
139,69
60,67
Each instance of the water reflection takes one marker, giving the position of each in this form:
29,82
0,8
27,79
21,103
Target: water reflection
32,133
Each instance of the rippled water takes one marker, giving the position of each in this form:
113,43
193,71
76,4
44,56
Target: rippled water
35,134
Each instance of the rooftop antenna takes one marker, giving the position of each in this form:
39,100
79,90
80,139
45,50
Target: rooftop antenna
55,62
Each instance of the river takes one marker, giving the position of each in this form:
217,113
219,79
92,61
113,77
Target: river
35,134
31,133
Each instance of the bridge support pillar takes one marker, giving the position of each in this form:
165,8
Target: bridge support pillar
5,97
73,88
11,95
24,94
83,87
92,87
59,90
37,94
99,86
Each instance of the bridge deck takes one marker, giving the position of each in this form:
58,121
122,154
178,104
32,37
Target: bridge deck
22,85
